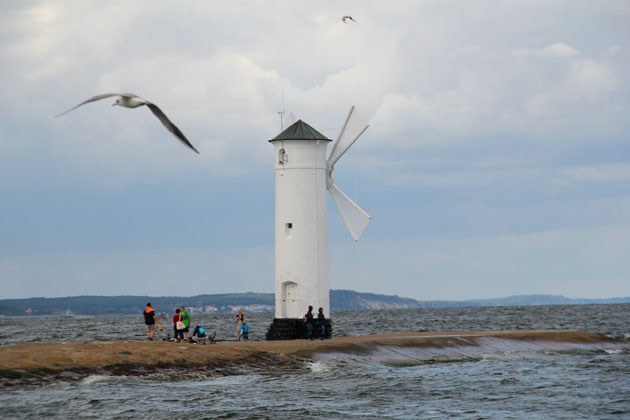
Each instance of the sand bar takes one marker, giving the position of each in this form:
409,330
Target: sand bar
36,362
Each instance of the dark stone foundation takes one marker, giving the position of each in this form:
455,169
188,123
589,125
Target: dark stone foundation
292,328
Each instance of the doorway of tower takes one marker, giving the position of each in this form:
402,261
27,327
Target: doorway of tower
289,300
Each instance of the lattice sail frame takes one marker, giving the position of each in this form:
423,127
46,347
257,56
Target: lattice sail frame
355,217
352,129
290,120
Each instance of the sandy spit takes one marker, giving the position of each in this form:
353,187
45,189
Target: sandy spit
35,363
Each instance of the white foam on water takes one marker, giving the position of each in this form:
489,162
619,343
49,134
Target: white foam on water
613,351
318,366
92,379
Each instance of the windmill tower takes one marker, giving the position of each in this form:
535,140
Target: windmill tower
303,174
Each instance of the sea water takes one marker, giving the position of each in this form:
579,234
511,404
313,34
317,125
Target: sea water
574,385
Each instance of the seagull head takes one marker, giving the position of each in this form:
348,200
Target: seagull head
118,102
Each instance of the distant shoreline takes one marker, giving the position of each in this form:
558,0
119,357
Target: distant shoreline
340,300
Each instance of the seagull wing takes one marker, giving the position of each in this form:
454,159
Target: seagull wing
92,99
169,125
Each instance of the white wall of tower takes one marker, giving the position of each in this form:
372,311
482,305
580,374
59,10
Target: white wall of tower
301,231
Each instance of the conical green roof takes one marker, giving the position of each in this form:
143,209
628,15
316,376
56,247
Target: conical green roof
299,130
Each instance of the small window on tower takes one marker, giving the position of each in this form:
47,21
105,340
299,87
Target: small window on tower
282,157
288,229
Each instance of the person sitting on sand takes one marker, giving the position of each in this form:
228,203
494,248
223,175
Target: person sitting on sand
244,331
200,333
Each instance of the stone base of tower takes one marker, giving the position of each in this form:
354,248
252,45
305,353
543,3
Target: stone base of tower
292,329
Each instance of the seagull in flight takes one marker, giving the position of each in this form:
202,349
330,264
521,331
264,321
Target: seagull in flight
129,100
346,18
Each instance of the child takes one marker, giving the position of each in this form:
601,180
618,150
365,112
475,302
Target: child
240,319
244,330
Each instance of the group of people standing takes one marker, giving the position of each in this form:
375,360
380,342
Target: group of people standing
309,321
181,325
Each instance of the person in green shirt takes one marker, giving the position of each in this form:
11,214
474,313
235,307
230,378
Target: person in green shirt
186,316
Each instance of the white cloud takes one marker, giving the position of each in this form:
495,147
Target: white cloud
224,115
592,78
578,97
558,49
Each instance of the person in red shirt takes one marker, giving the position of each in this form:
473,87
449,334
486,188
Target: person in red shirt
178,335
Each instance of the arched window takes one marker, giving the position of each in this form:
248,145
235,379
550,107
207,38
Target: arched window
282,157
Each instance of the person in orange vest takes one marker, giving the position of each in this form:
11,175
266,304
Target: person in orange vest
151,321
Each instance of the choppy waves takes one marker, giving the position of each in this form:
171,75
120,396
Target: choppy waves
489,380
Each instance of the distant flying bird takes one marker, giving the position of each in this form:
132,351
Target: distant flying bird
346,18
129,100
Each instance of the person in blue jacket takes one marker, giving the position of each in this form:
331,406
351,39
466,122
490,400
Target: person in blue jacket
200,333
244,331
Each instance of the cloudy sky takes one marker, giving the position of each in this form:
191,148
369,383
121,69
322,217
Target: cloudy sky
497,161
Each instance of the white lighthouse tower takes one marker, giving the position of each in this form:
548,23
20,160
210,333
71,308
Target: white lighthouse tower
303,174
301,263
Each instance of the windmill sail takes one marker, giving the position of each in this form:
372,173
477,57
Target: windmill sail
355,126
356,219
290,120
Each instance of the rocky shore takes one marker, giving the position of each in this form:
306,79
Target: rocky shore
36,363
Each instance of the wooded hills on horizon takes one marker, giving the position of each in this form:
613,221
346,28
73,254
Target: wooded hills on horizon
258,302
